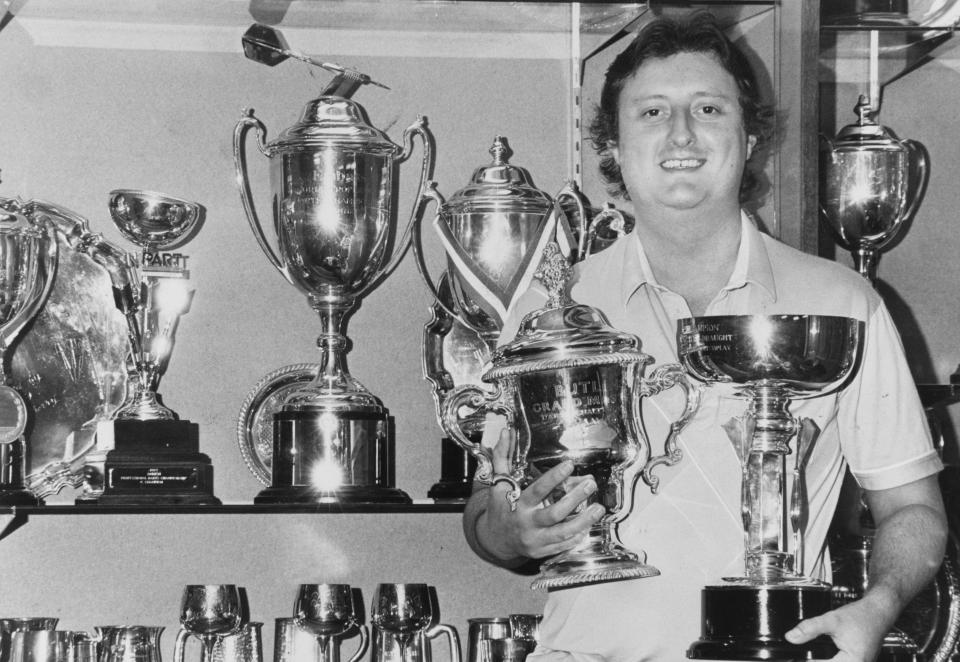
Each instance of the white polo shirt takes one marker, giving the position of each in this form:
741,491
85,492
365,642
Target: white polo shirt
691,529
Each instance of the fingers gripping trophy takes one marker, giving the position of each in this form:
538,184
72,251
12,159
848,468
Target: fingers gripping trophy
571,386
333,177
771,360
28,261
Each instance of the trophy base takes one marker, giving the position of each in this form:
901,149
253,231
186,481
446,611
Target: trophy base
596,562
331,455
457,468
13,495
12,490
747,622
153,463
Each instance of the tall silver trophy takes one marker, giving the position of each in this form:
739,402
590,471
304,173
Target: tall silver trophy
28,261
493,232
871,185
153,455
333,177
571,386
771,360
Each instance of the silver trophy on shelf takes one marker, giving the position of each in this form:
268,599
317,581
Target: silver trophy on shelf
28,261
493,232
332,201
571,386
871,185
771,360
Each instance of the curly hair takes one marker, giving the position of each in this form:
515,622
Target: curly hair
662,38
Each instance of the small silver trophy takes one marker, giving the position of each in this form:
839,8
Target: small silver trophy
333,178
28,261
772,360
571,386
871,185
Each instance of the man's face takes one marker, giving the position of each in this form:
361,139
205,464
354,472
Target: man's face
682,141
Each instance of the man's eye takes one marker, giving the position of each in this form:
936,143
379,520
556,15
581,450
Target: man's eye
653,113
710,110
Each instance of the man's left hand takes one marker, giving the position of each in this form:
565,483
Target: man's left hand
855,629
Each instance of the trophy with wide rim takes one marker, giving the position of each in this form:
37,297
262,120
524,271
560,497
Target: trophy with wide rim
28,261
571,386
333,197
771,360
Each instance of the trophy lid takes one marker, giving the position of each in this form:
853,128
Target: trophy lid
16,219
866,133
499,187
333,121
563,334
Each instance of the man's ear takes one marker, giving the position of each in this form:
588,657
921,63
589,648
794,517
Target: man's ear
751,143
614,151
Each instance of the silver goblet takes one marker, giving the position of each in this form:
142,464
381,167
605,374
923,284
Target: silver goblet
208,612
328,611
571,386
402,612
771,360
333,178
28,262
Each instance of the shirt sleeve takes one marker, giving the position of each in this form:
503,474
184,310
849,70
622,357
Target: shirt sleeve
883,427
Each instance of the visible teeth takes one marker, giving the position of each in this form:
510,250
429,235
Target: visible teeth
681,163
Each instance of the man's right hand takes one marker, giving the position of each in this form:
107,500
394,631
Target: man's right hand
534,529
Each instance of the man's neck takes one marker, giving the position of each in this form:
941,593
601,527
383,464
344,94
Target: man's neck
691,253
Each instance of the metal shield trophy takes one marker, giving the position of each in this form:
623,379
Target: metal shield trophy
771,360
333,197
571,386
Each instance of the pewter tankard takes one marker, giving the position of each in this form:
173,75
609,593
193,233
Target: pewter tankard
332,200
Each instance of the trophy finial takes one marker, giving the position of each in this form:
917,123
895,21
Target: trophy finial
864,111
500,151
554,272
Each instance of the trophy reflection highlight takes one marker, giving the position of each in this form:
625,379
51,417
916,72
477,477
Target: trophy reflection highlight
771,360
871,184
28,261
332,202
571,386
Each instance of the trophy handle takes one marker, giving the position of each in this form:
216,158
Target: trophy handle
247,122
452,638
48,251
571,191
418,128
477,399
180,645
609,216
364,642
918,155
661,379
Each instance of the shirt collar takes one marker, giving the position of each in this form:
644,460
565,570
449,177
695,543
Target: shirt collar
752,265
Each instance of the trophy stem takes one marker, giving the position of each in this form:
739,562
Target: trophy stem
334,378
865,258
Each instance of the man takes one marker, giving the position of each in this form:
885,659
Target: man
679,118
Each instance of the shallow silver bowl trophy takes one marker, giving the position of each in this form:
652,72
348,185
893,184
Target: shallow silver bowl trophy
332,202
28,261
571,386
772,360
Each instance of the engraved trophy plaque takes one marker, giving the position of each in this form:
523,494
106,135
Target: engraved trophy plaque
153,455
871,185
571,386
28,260
332,201
772,360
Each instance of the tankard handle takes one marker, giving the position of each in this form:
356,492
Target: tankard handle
479,400
247,122
364,643
452,638
418,128
663,378
180,645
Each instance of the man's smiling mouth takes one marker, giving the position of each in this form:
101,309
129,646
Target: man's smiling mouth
681,164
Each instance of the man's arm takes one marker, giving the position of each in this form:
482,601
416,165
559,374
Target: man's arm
907,551
510,538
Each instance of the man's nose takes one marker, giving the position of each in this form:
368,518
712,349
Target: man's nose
681,130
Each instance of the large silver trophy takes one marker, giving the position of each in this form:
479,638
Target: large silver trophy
332,202
571,386
871,184
28,261
772,360
493,232
153,455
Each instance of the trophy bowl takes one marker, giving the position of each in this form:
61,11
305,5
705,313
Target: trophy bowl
771,360
153,221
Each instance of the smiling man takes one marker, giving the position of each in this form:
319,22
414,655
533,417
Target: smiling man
680,117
